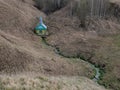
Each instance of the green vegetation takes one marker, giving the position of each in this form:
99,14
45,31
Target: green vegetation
76,59
108,60
1,86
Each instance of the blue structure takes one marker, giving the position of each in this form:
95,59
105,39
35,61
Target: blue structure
41,27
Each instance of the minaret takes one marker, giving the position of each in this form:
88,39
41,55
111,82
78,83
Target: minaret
41,21
42,24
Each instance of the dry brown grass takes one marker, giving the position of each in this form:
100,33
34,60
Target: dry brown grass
21,51
97,40
27,82
18,55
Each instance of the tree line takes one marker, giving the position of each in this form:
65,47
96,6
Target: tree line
81,8
49,6
89,8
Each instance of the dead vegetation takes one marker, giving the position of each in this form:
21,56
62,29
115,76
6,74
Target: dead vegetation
27,82
22,51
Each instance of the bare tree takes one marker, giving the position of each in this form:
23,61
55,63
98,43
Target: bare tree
80,8
90,8
49,6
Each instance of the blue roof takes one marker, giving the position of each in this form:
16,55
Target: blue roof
41,25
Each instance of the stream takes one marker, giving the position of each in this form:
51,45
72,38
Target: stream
57,51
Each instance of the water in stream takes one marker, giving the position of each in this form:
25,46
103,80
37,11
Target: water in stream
97,70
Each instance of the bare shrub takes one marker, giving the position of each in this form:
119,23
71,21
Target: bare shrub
90,8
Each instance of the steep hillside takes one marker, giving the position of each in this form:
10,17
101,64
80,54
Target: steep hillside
30,82
21,51
97,43
27,63
18,18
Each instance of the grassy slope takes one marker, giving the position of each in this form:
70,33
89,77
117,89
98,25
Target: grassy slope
102,40
43,59
27,82
21,51
109,55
